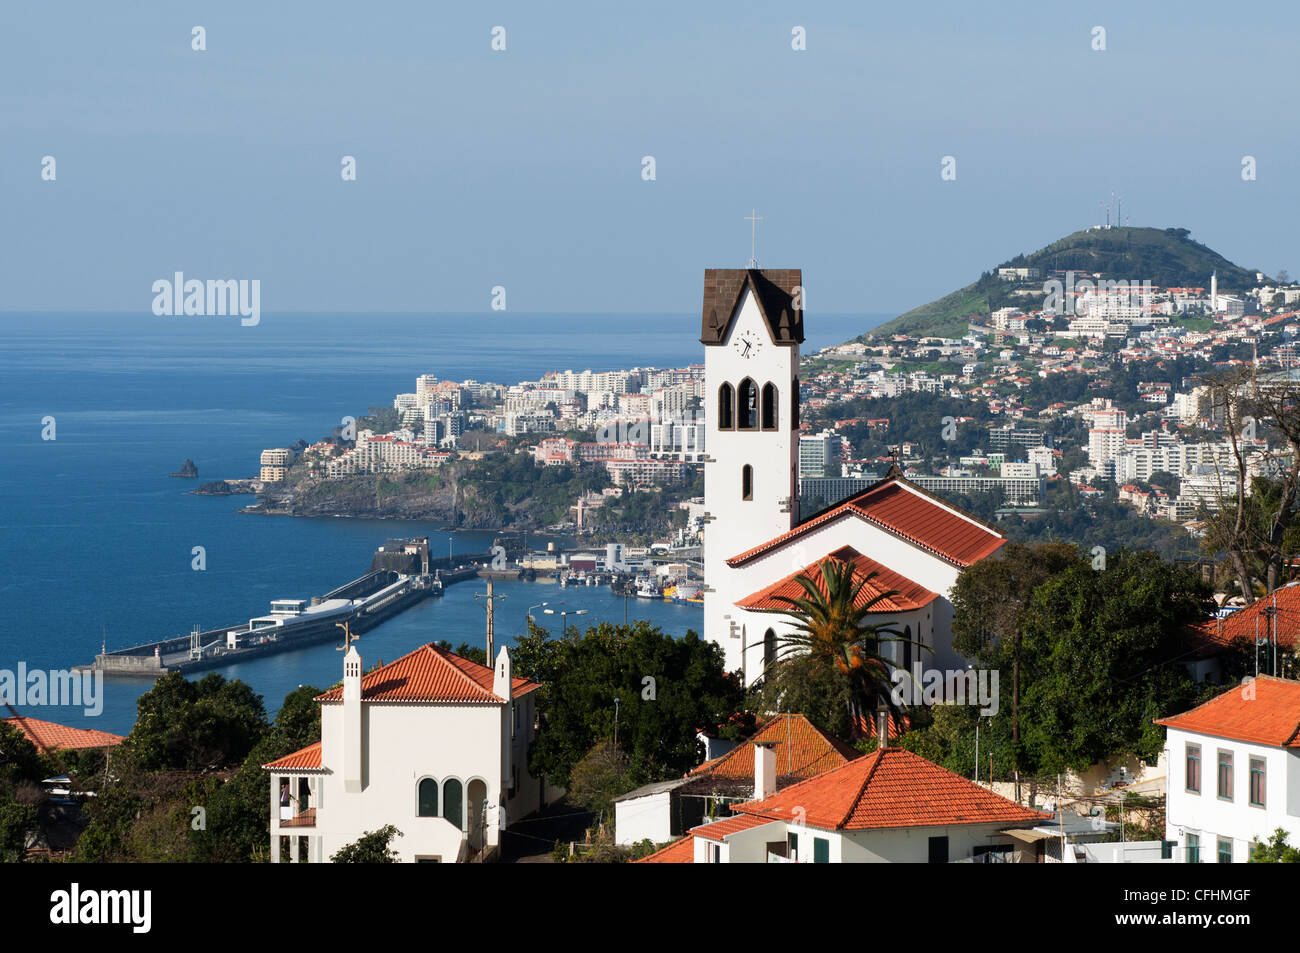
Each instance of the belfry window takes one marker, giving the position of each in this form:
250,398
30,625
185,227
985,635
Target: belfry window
794,405
769,406
726,407
748,409
747,482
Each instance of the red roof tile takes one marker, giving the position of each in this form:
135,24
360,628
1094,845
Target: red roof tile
905,510
802,750
430,674
678,852
1246,622
889,788
305,759
717,830
49,736
1265,711
908,595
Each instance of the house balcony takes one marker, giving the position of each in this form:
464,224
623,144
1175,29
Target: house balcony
306,818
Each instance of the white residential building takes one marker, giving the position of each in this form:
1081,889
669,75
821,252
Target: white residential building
433,744
1234,771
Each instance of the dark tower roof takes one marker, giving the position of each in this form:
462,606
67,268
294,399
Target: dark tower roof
773,289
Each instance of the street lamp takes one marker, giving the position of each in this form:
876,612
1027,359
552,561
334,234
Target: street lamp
564,621
529,613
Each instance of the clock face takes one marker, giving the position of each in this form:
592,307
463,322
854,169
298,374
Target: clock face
747,344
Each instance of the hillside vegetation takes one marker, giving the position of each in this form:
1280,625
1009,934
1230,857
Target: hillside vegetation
1165,257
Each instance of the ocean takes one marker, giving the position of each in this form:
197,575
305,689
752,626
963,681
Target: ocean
96,540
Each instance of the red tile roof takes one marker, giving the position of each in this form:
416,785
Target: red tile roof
1265,711
717,830
430,674
1217,634
899,507
678,852
889,788
49,736
305,759
802,751
908,595
306,819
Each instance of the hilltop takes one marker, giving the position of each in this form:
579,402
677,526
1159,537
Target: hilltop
1165,257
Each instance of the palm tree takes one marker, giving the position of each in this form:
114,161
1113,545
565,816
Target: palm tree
834,631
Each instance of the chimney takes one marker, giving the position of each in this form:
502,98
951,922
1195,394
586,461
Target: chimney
764,769
352,754
882,728
501,687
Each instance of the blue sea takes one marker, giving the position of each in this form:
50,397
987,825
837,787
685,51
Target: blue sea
96,538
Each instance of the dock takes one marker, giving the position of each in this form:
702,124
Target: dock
362,604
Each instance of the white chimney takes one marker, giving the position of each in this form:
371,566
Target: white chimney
501,687
882,729
764,769
352,754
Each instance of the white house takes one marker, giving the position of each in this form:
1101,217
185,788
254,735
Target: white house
433,744
891,806
1234,773
754,538
667,809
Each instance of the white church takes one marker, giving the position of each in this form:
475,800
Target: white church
755,541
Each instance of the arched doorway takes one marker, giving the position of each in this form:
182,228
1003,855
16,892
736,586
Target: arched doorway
477,792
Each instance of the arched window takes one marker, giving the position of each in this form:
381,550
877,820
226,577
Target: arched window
748,409
746,482
453,802
726,407
428,798
769,649
794,404
769,406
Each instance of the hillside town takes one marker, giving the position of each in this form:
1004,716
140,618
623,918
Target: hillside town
880,674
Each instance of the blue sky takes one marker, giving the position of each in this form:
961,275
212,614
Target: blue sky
522,168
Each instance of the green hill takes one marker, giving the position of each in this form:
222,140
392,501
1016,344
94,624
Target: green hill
1165,257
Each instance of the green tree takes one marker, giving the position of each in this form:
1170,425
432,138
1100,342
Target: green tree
1100,651
668,689
602,775
1275,850
991,607
184,725
370,848
833,631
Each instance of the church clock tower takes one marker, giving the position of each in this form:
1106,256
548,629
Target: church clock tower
752,327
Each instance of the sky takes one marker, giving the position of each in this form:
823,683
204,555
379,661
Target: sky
524,168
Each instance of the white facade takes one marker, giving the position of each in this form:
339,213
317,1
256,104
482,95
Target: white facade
377,760
1204,818
739,521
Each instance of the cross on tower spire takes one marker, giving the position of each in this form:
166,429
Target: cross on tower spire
753,218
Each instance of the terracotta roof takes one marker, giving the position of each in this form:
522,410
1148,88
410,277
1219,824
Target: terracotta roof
1265,711
773,290
1217,634
908,595
430,674
905,510
889,788
305,759
678,852
802,751
49,736
717,830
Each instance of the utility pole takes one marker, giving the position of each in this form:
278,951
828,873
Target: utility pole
490,599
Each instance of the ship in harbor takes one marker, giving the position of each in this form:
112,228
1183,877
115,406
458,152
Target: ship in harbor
360,605
685,593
